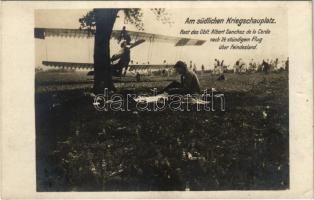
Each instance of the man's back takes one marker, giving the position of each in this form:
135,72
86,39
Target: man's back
190,82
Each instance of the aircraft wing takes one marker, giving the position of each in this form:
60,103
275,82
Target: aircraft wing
149,66
90,66
42,33
178,41
68,65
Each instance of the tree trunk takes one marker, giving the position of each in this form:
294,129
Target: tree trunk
105,19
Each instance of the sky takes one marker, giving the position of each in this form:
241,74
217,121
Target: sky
81,49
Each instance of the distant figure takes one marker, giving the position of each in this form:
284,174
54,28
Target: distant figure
189,82
194,67
138,77
239,66
282,65
217,62
266,66
236,66
271,65
252,66
203,68
191,64
221,70
276,63
287,64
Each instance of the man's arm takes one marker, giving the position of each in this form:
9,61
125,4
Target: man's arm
197,85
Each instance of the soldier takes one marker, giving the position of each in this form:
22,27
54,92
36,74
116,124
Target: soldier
287,64
189,82
124,58
239,66
266,66
194,68
124,36
138,77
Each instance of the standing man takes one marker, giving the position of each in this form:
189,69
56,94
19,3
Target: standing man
124,58
124,36
287,64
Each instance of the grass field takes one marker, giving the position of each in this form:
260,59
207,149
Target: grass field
245,147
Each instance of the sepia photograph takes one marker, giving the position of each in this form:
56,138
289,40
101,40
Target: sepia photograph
162,99
156,100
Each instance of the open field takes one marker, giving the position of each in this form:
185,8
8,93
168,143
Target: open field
244,147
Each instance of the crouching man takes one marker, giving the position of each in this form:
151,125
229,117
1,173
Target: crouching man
189,82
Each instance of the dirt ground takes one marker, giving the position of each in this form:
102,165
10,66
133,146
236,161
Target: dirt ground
245,147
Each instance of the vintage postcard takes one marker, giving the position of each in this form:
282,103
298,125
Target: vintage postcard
138,99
